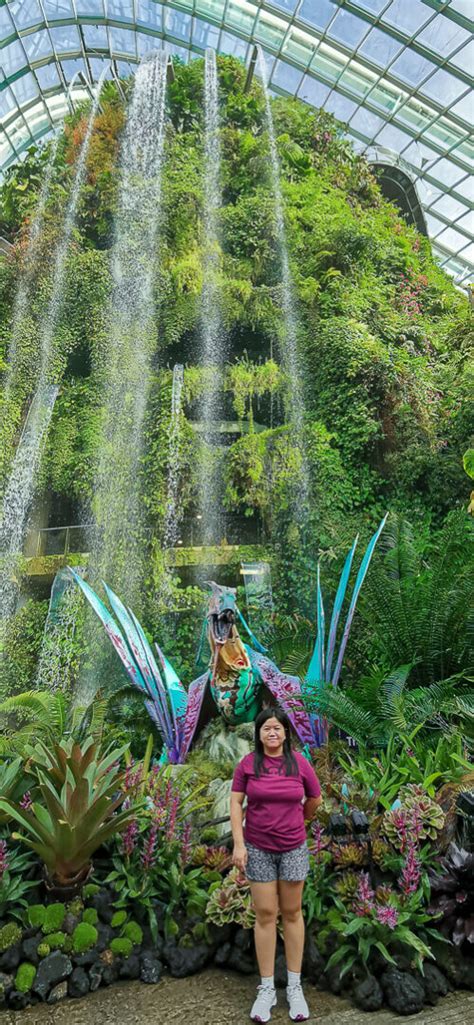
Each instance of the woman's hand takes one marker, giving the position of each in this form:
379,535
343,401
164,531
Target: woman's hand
240,856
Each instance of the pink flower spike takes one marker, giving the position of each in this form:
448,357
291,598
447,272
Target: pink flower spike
387,916
3,858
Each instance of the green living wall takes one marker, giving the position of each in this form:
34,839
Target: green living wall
385,338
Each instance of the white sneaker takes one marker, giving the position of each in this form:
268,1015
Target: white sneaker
298,1008
262,1008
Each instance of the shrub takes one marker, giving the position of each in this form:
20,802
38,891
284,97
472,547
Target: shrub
36,915
25,977
90,915
119,919
90,890
43,949
133,932
9,935
84,937
121,946
54,918
55,940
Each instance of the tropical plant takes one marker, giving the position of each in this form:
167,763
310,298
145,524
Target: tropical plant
46,715
230,900
77,797
416,817
10,783
15,869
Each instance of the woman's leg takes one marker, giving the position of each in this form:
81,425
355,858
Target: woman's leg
290,896
265,902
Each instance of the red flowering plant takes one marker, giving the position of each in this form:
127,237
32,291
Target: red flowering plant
152,862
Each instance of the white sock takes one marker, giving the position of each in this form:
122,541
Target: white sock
294,978
268,981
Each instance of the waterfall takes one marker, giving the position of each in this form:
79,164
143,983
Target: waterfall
290,357
172,517
57,659
213,342
21,484
118,543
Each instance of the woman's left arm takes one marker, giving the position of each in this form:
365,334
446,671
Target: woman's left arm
310,806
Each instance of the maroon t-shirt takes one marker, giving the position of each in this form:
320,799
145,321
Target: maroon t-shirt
274,819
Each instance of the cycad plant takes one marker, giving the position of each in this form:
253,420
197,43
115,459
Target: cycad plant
46,715
76,807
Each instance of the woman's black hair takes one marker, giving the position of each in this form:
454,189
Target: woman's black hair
291,765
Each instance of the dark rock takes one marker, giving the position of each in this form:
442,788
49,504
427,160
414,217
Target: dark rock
78,984
243,939
221,956
313,961
150,969
52,969
106,934
87,958
109,975
241,962
6,982
434,983
10,959
219,934
58,993
29,949
458,968
69,924
403,993
334,981
368,994
280,972
95,975
102,902
183,961
130,967
18,1001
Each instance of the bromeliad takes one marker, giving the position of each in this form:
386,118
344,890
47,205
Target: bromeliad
240,677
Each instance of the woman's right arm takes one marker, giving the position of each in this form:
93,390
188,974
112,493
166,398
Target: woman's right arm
240,854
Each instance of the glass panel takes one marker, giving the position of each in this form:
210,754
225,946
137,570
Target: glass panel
204,35
449,207
48,76
444,87
37,45
120,9
446,172
462,7
286,5
466,222
411,67
393,138
407,16
326,68
442,35
426,192
299,46
270,31
340,106
90,7
468,253
465,58
65,38
240,15
233,45
7,27
97,66
95,37
122,40
56,9
420,155
348,29
366,123
13,58
147,44
6,151
213,8
286,77
357,83
317,14
452,239
149,13
379,47
312,91
376,6
26,14
8,102
466,187
25,88
434,226
386,97
71,66
178,25
465,108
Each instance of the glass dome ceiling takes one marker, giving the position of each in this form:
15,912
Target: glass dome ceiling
397,72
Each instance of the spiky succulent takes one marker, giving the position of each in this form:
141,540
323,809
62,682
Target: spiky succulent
452,895
418,817
380,850
346,885
348,854
231,901
216,858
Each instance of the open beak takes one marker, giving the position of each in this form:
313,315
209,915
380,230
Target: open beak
222,626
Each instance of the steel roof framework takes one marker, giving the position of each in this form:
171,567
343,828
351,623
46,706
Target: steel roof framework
381,66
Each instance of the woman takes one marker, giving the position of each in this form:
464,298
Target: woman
282,791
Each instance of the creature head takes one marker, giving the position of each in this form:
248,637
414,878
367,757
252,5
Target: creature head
222,613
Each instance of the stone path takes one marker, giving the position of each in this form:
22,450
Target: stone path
218,998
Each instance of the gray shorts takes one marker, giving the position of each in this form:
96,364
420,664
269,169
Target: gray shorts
265,866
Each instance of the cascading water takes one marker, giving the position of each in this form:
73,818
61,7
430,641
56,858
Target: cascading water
21,484
118,544
172,516
213,341
290,357
56,664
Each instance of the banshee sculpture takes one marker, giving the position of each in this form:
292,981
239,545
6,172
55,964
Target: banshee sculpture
240,677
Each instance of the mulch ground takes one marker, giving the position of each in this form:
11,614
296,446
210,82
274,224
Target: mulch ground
218,998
